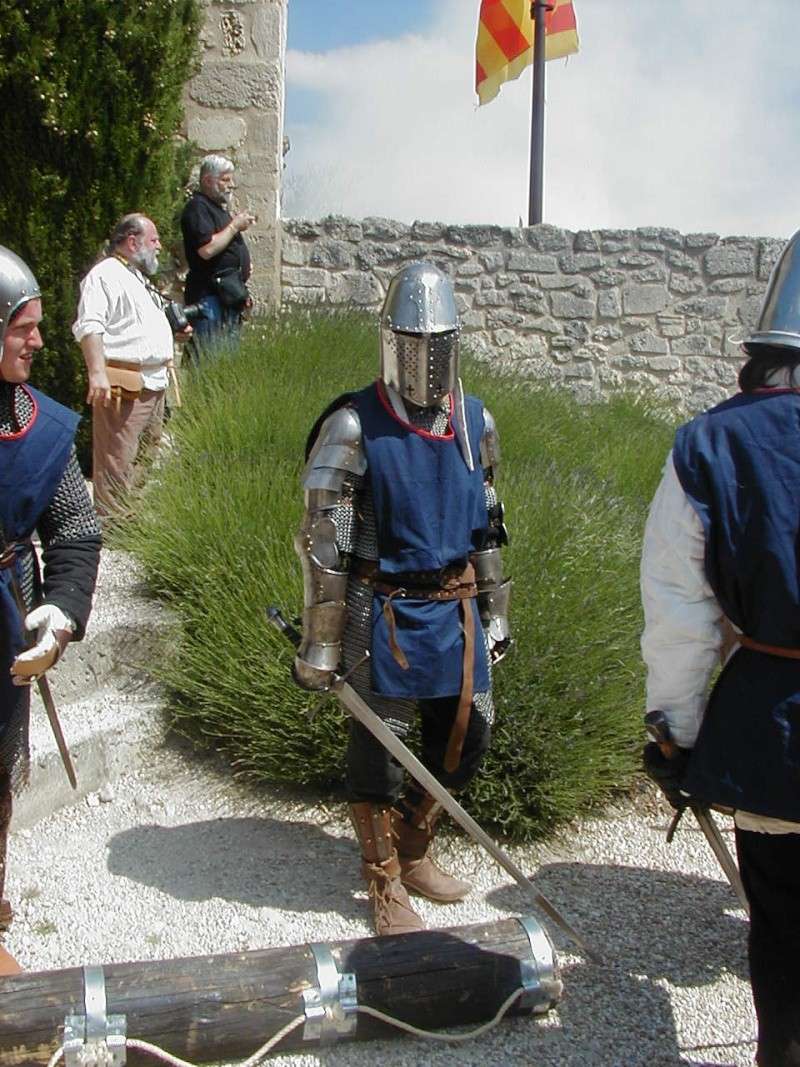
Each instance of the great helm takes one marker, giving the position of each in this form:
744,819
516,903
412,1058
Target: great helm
419,334
17,286
779,320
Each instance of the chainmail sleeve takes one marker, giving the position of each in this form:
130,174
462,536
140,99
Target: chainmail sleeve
71,541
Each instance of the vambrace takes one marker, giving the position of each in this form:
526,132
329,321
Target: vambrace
494,595
323,544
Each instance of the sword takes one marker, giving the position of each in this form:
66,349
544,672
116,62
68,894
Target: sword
42,682
658,731
361,711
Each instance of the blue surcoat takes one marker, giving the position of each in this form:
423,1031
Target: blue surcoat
739,465
32,464
430,513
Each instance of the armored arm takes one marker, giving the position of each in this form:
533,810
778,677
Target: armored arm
494,591
336,463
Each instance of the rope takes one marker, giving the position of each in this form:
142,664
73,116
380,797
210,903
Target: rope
364,1009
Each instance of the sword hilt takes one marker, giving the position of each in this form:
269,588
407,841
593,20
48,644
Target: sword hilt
277,620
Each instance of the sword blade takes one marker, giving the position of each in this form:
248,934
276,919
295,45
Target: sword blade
361,711
726,861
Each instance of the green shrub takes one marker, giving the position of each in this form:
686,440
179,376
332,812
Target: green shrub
91,95
215,528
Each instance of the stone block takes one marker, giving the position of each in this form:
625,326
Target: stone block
332,254
606,333
749,310
729,260
295,276
380,229
680,261
503,337
608,304
768,252
583,370
232,32
655,273
546,238
644,299
472,320
575,263
469,269
427,231
522,259
467,285
648,342
490,298
303,295
694,344
585,241
607,277
217,132
342,228
268,31
295,253
663,363
237,85
371,255
683,285
569,306
354,287
535,304
551,281
635,259
492,261
671,325
701,240
301,228
474,236
728,285
704,307
503,317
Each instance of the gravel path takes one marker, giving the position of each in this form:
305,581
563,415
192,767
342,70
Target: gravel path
179,860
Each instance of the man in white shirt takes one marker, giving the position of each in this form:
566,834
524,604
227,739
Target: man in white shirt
722,543
125,336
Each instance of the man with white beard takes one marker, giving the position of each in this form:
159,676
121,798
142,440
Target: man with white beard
126,341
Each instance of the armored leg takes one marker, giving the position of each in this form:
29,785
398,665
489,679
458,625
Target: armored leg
392,911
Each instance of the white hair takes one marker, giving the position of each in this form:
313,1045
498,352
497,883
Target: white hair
214,166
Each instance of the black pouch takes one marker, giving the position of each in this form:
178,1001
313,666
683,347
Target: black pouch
230,288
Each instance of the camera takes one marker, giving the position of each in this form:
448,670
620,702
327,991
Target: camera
179,316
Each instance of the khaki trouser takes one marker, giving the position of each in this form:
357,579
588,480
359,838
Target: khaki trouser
122,436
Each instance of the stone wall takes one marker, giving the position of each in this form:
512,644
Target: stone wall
234,105
595,310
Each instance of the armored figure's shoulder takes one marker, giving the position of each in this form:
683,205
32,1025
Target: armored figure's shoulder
490,443
337,450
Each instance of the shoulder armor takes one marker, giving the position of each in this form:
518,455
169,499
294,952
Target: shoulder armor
490,444
337,451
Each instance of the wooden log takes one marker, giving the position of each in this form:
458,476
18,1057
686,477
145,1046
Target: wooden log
212,1008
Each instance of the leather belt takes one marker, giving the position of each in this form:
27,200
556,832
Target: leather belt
769,650
454,583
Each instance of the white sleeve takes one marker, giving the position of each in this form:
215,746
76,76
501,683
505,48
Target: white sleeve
683,621
94,307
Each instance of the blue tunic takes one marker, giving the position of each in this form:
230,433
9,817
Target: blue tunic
32,464
430,512
739,465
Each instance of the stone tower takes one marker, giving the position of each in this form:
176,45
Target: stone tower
234,105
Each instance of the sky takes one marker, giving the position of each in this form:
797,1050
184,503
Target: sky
675,113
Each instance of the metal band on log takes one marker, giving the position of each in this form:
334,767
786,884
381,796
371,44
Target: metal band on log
212,1008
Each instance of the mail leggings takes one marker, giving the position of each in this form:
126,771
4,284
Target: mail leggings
770,869
374,776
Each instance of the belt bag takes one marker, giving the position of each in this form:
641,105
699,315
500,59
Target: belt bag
126,383
230,288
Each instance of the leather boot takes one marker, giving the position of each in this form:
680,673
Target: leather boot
6,913
392,911
414,822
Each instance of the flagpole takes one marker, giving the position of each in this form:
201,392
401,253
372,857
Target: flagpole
536,174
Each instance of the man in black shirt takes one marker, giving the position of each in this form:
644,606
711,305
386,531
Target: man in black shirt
218,258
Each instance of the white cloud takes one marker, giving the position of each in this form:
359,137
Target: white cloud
673,114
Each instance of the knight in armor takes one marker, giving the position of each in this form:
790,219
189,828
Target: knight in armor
400,549
722,546
43,491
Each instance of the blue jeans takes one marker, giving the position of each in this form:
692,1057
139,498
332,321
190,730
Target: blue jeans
218,329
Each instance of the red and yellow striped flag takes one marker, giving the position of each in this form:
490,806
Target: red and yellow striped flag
505,41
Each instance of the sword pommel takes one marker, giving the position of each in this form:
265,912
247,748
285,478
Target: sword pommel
277,620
